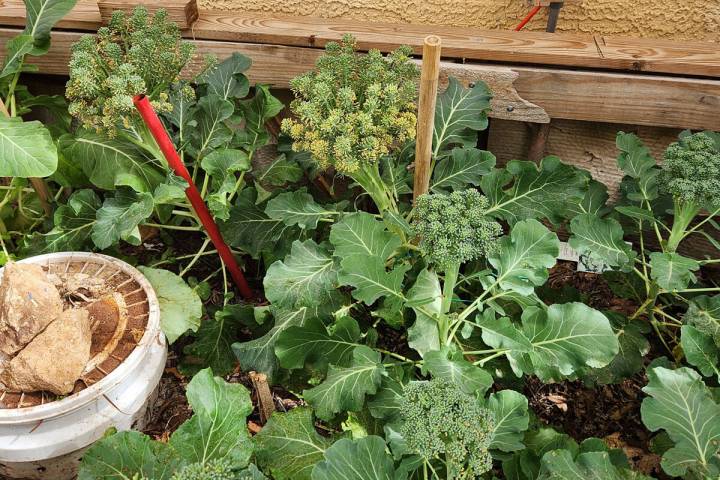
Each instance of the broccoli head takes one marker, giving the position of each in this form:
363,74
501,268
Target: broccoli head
211,470
135,54
440,419
691,171
353,108
454,228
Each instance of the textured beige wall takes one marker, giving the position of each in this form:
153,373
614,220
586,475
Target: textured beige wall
676,19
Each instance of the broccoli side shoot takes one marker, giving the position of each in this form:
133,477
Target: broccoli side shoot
211,470
691,174
441,420
135,54
353,107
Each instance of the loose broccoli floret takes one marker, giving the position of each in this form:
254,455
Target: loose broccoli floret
454,228
135,54
691,174
211,470
353,109
441,420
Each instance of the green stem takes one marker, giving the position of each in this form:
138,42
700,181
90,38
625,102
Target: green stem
494,355
195,258
368,177
451,275
684,213
173,227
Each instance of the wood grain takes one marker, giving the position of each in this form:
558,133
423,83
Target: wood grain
183,12
520,93
532,48
429,77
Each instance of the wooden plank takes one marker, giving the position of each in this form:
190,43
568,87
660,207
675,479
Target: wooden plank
535,48
183,12
520,93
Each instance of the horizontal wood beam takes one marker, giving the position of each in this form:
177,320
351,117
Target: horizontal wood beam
521,93
183,12
533,48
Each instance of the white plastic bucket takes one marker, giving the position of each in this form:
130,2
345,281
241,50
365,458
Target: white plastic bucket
47,441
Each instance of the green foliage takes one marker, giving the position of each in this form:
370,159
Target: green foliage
460,112
362,459
353,108
454,228
135,54
213,470
26,148
439,419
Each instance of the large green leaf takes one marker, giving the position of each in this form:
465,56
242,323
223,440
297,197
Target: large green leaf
312,343
460,112
425,298
560,464
297,208
601,239
226,79
278,172
360,459
211,132
345,388
73,224
523,258
463,168
362,234
41,16
525,190
510,409
222,165
700,350
455,369
306,278
26,148
110,163
258,110
180,306
704,314
681,404
672,271
259,354
371,279
288,445
632,348
250,229
127,455
635,158
119,217
217,430
15,50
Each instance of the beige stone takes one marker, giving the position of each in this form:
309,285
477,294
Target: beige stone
55,359
28,303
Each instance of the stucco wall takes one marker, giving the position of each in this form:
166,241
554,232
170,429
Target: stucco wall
676,19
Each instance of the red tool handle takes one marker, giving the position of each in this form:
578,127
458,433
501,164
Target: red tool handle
168,149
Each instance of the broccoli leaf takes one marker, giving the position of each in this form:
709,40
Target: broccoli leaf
226,79
16,48
425,298
111,163
635,158
704,314
26,148
510,409
361,459
306,278
601,239
594,201
469,378
586,466
679,403
180,306
119,217
42,15
387,403
297,208
632,348
279,172
370,279
361,234
288,445
526,190
257,110
464,167
700,350
312,342
672,271
524,256
345,388
126,455
211,131
222,165
259,354
250,229
460,112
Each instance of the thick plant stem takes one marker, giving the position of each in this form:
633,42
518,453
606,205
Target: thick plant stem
368,177
684,215
451,275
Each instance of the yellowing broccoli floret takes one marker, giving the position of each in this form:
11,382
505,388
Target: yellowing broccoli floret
454,228
440,420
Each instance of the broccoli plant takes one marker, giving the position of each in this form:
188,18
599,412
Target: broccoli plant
440,421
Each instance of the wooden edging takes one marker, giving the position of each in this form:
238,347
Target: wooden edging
521,93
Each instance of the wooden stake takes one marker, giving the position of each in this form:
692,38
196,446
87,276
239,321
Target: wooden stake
266,405
426,114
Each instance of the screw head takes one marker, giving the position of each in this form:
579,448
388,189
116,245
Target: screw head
510,108
471,84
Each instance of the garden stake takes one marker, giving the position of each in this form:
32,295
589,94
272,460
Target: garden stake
426,114
166,146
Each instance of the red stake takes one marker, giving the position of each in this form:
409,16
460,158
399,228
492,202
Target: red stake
529,17
168,149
